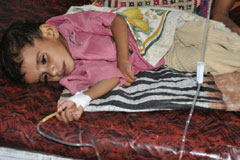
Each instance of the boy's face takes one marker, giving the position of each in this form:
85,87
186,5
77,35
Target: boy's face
48,60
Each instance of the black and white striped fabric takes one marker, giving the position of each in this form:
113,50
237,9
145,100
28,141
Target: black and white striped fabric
160,89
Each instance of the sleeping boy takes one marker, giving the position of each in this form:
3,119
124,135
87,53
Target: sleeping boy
92,52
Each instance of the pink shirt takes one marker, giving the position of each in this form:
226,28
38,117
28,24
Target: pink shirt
90,42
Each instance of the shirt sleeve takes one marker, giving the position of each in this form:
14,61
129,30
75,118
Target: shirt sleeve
95,22
88,74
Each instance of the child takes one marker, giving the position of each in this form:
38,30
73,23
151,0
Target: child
96,51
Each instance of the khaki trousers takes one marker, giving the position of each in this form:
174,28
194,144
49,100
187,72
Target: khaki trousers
222,51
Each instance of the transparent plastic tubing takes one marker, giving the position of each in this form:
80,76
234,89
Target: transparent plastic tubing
64,142
198,84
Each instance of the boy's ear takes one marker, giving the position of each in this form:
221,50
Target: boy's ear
49,31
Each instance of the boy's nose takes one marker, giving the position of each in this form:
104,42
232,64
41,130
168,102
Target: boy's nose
53,70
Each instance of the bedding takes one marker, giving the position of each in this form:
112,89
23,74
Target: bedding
163,35
148,135
195,6
160,89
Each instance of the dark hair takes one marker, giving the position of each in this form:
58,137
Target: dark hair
14,39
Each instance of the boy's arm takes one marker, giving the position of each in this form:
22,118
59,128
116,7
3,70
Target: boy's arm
220,12
68,111
119,30
102,87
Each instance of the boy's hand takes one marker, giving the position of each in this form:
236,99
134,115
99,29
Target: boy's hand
125,68
67,111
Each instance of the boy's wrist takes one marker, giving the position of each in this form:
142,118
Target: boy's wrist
122,60
80,99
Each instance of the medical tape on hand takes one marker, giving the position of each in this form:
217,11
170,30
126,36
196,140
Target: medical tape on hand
80,99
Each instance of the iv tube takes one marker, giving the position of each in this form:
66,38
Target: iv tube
199,83
64,142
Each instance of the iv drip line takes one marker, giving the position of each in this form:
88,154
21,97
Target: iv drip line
199,79
64,142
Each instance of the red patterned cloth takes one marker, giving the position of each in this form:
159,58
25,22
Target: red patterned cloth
212,134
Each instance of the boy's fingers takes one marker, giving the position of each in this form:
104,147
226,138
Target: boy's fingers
66,111
69,115
127,84
64,117
59,117
61,107
130,79
130,76
77,115
127,72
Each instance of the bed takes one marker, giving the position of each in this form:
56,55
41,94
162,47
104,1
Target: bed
147,124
